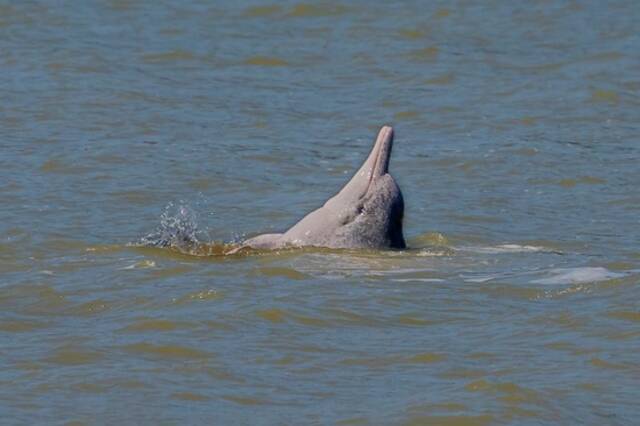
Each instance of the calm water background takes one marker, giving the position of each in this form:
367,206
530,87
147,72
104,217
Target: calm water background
517,149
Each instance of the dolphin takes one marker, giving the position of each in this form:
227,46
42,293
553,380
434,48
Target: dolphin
366,213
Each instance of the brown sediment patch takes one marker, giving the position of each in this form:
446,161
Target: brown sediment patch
266,61
406,115
274,315
307,10
289,273
171,56
189,396
261,11
633,316
74,356
604,96
21,326
481,420
166,351
153,325
441,80
244,400
429,54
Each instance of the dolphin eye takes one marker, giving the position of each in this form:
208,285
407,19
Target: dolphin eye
348,216
345,219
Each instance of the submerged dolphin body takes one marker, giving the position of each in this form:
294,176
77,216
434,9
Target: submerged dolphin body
366,213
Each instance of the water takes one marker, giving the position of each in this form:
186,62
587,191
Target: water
517,150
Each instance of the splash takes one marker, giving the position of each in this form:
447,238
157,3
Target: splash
178,229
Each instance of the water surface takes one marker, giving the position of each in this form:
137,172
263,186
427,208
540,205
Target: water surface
517,148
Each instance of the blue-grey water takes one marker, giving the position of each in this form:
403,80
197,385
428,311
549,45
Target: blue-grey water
517,150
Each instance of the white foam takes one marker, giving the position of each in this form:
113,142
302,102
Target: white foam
578,275
481,279
506,248
434,253
143,264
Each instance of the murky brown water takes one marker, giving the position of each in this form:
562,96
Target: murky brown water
517,150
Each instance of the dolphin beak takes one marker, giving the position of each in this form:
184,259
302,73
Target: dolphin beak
375,166
378,160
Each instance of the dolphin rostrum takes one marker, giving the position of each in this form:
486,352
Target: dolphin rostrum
366,213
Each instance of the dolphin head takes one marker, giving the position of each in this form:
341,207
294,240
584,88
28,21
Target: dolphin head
375,167
366,213
370,207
